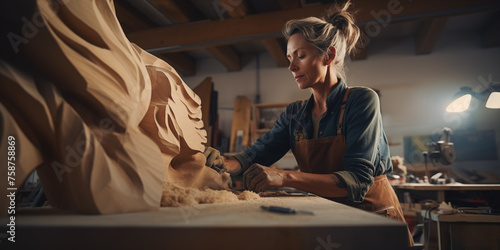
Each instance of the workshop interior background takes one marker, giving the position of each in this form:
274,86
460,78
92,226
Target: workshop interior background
415,88
416,80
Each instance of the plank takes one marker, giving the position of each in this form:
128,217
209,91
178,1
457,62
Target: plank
241,124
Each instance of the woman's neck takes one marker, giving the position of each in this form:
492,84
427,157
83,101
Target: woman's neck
321,91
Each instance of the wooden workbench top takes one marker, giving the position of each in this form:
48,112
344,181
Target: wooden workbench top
450,186
211,226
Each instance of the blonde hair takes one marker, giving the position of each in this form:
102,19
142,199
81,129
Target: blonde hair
336,29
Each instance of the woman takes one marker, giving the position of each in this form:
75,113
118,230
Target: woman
336,135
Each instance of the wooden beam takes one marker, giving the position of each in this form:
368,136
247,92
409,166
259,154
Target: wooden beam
265,25
204,34
492,35
276,47
289,4
181,62
239,8
235,8
179,11
428,34
129,19
227,56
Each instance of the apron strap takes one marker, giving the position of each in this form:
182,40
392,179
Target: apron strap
342,109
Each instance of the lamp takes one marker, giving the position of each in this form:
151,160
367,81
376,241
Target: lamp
463,98
493,101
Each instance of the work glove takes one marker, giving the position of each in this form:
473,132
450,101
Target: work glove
214,159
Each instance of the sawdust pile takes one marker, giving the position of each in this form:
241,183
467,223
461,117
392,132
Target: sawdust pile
175,196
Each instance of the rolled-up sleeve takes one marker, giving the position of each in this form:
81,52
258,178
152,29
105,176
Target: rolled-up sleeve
363,129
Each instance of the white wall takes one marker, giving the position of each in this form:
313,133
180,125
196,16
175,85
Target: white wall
415,89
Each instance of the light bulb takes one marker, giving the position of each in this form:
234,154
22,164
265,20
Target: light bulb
460,104
493,101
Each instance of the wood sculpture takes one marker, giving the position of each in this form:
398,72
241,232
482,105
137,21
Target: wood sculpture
108,127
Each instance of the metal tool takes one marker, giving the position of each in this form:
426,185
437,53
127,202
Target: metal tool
285,210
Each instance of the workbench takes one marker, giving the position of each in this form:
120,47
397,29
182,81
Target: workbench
233,225
461,231
440,190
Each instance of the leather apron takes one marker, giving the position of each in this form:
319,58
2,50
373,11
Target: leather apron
325,156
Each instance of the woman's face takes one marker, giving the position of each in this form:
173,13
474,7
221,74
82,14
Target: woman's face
308,67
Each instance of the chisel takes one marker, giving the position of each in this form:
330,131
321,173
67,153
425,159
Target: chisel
285,210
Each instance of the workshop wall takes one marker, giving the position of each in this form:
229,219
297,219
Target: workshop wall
415,89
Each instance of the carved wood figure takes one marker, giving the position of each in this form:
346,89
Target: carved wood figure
108,127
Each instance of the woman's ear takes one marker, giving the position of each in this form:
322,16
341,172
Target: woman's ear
331,55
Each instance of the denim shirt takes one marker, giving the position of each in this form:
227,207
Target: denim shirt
367,151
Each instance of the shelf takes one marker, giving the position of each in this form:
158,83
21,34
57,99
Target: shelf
264,117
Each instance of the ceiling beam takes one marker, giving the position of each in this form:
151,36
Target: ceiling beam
130,20
150,12
181,62
226,55
492,35
289,4
179,11
231,30
235,8
265,25
428,34
276,47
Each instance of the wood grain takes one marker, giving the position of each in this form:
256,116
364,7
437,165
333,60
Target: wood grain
105,124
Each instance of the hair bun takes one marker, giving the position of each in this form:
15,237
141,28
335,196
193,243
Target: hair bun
339,17
336,28
337,20
345,24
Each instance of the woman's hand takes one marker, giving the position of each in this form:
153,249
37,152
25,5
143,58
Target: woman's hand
232,165
258,178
